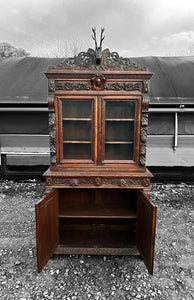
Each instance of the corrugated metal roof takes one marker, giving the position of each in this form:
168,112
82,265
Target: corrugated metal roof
22,80
172,81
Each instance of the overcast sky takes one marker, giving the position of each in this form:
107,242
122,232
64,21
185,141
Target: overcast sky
132,27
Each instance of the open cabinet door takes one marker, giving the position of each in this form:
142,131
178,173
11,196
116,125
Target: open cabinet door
47,228
145,229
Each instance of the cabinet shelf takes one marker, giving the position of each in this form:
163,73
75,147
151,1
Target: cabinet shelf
119,142
77,142
119,120
76,119
102,211
97,238
98,249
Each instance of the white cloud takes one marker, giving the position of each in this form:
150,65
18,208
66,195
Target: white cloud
186,36
171,45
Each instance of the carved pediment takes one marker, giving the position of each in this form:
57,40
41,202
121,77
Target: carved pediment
109,61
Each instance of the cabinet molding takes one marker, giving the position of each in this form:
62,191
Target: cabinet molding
109,86
98,182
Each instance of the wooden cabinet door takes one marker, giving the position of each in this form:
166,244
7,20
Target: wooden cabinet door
77,130
47,228
145,229
120,129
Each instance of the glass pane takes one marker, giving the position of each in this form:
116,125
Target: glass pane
76,151
77,130
76,109
118,152
119,131
120,110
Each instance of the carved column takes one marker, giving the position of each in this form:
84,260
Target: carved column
144,129
52,129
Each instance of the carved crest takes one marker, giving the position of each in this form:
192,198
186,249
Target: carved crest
109,61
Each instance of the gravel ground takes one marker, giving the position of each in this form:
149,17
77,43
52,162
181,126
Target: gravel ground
75,277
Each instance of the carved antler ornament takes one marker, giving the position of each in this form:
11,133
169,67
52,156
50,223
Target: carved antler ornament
98,50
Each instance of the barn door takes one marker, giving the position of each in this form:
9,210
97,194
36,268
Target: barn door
47,228
145,229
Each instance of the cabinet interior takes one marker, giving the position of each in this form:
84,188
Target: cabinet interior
97,217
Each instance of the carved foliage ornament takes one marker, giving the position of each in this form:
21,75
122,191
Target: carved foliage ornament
143,138
51,85
98,83
109,61
98,181
123,86
146,86
52,129
69,86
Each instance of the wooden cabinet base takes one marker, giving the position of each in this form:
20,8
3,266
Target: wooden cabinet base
97,222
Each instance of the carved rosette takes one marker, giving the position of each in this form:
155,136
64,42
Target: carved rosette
98,82
52,130
73,182
98,182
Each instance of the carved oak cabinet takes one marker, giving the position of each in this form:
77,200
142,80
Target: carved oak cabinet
97,198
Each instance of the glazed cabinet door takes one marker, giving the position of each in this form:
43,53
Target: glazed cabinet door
120,122
145,229
47,228
77,124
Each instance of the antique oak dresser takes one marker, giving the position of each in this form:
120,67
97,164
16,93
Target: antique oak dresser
97,185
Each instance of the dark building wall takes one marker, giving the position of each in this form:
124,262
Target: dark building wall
23,107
